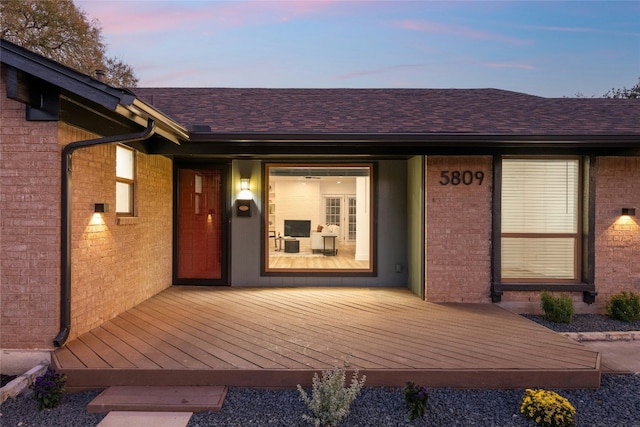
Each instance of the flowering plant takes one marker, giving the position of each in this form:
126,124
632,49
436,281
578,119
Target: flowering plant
547,408
48,389
416,399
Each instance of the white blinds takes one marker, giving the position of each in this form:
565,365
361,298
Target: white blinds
539,196
540,203
538,258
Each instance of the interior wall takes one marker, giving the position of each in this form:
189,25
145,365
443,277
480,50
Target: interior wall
302,202
390,227
363,219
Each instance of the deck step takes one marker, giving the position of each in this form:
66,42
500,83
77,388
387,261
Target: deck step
159,399
145,419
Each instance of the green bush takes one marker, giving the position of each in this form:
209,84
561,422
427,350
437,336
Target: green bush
416,399
624,306
557,309
547,408
330,399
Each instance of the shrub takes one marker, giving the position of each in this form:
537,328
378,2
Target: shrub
547,408
624,306
557,309
416,399
330,399
48,389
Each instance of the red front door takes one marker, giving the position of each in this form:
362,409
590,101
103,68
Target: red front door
200,250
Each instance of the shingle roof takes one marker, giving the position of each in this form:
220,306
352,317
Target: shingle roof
394,111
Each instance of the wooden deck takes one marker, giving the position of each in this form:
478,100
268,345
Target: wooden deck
279,337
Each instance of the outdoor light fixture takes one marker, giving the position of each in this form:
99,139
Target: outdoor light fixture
245,193
101,208
629,211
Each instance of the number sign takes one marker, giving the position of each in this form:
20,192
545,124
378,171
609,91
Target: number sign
461,177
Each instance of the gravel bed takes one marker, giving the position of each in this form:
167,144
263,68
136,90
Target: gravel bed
587,323
614,404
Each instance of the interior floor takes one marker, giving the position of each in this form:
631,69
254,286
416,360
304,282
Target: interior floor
344,258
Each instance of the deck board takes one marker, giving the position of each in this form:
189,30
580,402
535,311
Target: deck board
279,337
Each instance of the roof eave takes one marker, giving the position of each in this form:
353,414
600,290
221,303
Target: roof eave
427,139
120,101
140,112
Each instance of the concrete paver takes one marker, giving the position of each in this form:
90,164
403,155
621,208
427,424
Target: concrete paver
145,419
618,356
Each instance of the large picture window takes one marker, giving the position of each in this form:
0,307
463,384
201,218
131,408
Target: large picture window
540,211
318,218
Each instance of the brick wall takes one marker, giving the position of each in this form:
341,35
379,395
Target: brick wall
29,228
117,263
114,266
458,265
617,239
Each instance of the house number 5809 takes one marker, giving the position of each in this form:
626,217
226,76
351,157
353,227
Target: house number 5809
461,177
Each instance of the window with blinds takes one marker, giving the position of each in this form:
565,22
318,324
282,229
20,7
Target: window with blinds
540,220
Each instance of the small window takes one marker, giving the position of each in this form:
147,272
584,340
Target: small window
125,180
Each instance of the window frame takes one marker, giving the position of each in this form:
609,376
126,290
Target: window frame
585,247
525,235
371,193
131,182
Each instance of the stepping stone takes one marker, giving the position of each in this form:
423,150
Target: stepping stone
145,419
159,399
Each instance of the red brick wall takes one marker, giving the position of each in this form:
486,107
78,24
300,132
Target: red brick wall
29,228
117,263
617,242
458,265
114,266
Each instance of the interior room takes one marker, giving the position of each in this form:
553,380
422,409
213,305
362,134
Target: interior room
318,217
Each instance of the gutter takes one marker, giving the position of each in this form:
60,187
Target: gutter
65,226
422,139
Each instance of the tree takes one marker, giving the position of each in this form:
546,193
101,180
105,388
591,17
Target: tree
59,30
633,93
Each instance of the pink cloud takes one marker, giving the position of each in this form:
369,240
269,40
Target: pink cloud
125,18
456,30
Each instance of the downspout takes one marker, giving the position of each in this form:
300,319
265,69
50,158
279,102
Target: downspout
65,226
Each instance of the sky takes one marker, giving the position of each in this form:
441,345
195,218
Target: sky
545,48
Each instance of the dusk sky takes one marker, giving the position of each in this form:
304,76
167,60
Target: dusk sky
546,48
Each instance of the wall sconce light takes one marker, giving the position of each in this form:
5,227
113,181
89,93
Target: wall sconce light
244,183
629,211
101,208
245,193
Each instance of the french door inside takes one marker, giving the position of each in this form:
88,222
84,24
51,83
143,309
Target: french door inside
341,210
